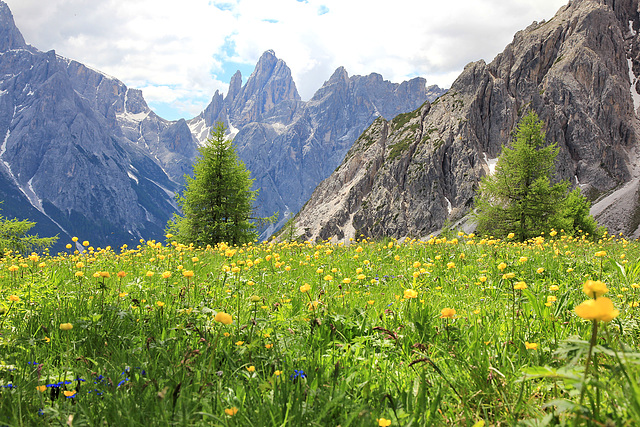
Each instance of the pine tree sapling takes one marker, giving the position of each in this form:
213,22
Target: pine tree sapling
14,236
217,202
519,197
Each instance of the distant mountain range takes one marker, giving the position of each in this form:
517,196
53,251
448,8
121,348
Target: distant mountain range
82,154
410,176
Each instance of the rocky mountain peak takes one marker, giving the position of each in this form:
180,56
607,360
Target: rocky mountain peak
235,86
10,36
269,85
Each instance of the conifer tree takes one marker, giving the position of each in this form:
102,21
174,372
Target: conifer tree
217,202
14,236
519,197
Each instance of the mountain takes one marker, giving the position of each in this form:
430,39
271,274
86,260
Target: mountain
577,71
290,145
62,155
82,154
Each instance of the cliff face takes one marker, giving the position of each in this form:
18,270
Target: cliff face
408,176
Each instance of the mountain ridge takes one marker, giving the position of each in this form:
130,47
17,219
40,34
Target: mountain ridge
84,154
409,176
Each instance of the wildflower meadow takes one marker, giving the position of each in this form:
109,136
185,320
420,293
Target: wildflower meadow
450,330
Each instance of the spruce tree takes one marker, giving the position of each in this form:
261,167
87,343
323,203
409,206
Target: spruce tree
519,197
14,236
217,202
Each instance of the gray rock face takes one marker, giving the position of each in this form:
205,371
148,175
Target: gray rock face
577,71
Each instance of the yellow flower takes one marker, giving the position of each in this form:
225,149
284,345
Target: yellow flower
383,422
523,259
223,318
85,243
447,313
554,288
13,268
13,298
166,274
268,346
451,265
150,273
597,309
122,274
540,270
74,239
105,274
511,236
509,275
69,393
277,373
159,303
41,388
346,280
482,279
251,368
239,343
531,345
410,293
231,411
601,254
553,233
305,288
66,326
79,274
189,273
328,278
520,286
594,288
502,266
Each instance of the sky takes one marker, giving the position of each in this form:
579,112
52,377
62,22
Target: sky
180,52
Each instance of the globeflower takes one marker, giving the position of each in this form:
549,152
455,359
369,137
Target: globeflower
410,293
531,345
601,254
231,411
223,318
520,286
502,266
594,288
383,422
447,313
66,326
597,309
305,288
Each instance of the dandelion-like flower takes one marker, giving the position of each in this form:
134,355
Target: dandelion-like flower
410,293
520,286
223,318
305,288
231,411
597,309
594,288
447,313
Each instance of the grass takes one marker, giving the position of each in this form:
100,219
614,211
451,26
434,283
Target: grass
440,332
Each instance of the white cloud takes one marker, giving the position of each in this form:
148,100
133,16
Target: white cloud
179,52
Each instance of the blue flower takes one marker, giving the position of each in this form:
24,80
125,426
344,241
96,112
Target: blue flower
297,374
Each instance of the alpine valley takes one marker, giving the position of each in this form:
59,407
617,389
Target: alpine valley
83,155
419,172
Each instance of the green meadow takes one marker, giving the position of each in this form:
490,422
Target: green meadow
452,330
